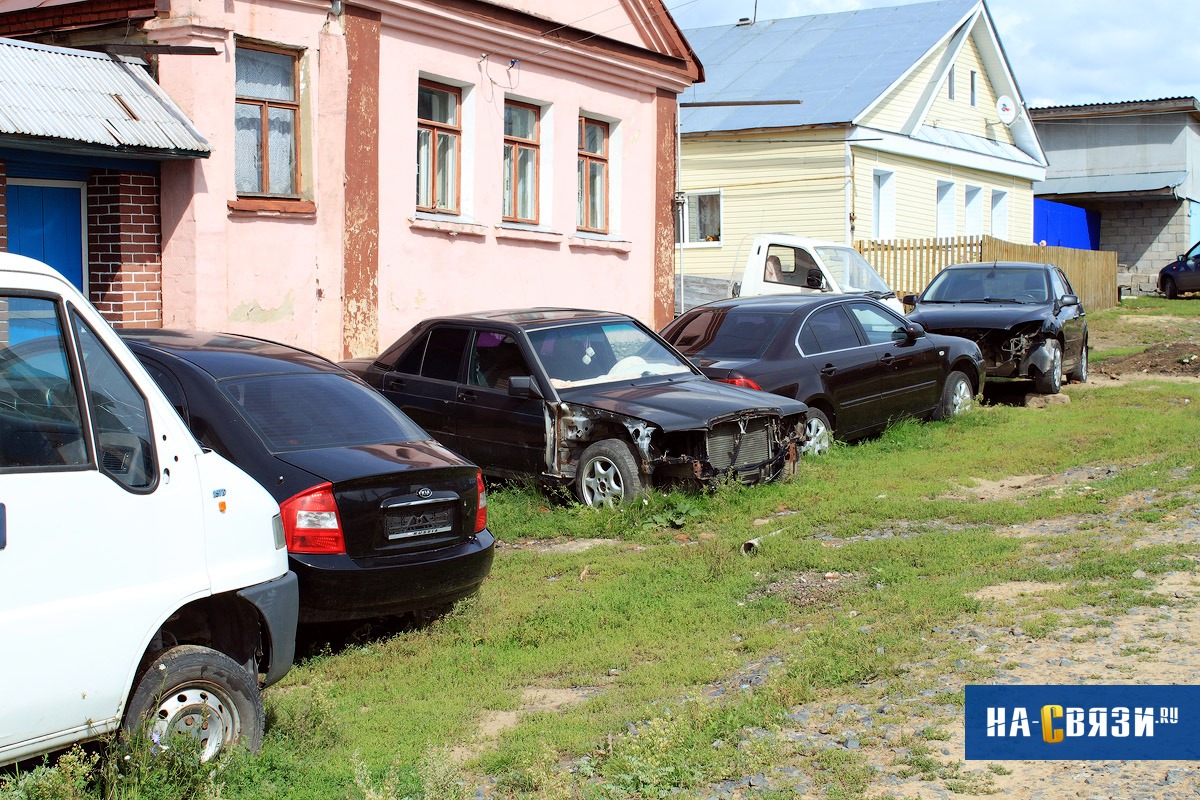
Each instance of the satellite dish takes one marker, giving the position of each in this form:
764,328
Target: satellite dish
1007,109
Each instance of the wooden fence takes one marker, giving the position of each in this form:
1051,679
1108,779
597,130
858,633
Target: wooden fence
908,265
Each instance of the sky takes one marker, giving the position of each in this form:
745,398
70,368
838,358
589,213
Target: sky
1062,52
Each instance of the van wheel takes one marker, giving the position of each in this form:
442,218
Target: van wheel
200,693
608,475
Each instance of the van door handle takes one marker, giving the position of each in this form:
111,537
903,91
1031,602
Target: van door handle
3,528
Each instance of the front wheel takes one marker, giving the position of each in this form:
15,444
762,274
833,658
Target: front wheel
1050,382
957,396
1169,288
199,693
608,475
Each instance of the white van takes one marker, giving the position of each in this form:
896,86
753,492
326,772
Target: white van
141,577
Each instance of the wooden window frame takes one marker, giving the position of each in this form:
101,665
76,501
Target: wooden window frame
587,158
265,107
434,127
518,144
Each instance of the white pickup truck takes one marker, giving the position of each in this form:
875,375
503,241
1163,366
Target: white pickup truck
779,263
143,580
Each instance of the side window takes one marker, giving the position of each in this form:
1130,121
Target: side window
495,358
410,364
444,352
879,326
832,330
1061,285
788,265
40,421
170,387
120,415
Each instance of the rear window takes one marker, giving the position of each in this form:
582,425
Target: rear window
721,333
314,411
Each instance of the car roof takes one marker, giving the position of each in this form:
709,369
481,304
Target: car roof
227,355
782,303
1002,265
531,317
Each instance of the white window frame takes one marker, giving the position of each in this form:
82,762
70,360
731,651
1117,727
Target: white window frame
973,210
946,225
950,83
683,229
974,88
1000,214
883,204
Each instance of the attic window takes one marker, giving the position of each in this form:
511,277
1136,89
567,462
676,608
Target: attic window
950,83
974,89
129,112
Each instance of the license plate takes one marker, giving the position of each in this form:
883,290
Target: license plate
404,525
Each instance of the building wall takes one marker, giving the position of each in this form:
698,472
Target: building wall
1146,235
958,114
282,272
795,186
124,248
894,112
916,196
1117,145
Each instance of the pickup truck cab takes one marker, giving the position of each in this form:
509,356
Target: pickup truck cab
780,263
143,579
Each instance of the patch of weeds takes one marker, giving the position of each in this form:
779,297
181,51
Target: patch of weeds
922,764
936,734
1149,516
303,715
846,773
441,778
369,788
72,777
679,509
998,769
1041,627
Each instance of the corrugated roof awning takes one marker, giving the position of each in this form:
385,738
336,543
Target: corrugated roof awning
76,101
1163,183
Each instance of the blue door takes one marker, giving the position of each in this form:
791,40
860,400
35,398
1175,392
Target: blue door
46,222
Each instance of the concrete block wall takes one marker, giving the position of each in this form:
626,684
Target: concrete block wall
1146,235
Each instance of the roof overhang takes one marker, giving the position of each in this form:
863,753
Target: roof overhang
1112,187
897,144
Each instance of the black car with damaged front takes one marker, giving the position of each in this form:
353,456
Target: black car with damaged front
379,519
1025,317
589,399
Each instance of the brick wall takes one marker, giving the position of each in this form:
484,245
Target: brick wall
73,16
1146,236
125,248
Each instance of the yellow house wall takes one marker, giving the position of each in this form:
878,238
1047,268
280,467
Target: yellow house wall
893,113
958,114
795,186
916,196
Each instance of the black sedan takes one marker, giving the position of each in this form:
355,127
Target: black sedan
856,363
378,518
1181,275
589,399
1027,319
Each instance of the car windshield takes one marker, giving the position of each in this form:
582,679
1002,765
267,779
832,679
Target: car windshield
988,284
311,411
851,271
602,352
725,332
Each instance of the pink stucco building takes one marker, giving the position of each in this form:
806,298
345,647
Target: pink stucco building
375,163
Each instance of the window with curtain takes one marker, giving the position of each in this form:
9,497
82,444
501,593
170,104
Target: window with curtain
266,121
521,156
700,220
593,176
439,139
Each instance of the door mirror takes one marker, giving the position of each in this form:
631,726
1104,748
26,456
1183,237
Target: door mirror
1069,300
909,332
815,279
909,299
523,386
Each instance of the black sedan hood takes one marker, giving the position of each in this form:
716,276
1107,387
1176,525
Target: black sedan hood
682,405
340,464
984,316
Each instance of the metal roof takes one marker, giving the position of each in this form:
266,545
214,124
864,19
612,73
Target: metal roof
974,144
1111,184
837,64
80,101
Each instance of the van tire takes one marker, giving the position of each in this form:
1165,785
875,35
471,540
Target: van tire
198,692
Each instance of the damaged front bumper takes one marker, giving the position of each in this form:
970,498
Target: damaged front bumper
1023,355
751,447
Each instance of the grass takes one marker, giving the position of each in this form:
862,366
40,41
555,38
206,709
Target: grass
661,629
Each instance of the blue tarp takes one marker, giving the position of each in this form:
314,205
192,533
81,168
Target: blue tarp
1061,225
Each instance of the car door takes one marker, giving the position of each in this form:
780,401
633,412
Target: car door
100,526
910,369
1071,319
1189,271
424,381
498,431
849,369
